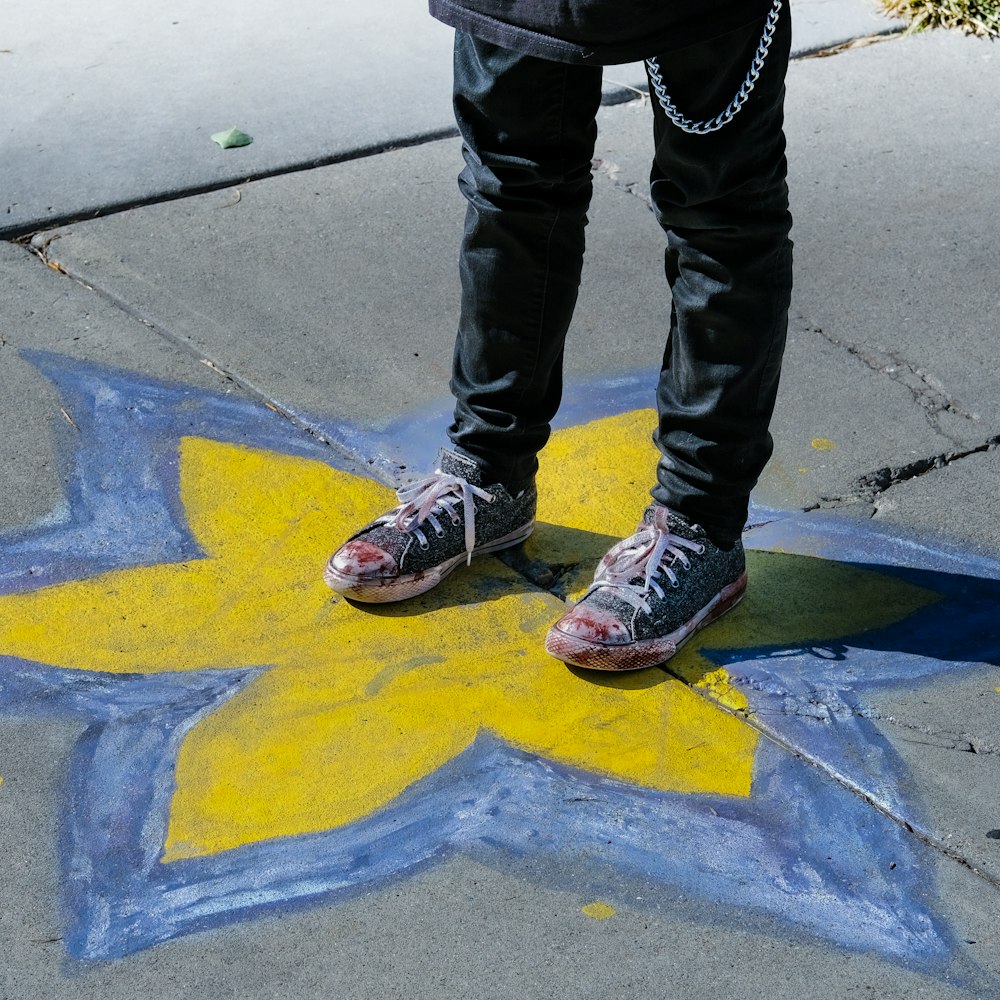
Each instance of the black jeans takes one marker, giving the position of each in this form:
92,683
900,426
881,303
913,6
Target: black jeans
529,130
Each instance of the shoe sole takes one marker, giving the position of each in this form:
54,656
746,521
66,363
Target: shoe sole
399,588
642,653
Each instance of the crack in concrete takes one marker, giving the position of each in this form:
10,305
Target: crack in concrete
927,390
961,742
611,170
930,394
828,706
872,485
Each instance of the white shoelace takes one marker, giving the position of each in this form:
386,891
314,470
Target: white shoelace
650,553
436,495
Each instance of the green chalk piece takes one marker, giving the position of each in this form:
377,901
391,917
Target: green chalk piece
232,137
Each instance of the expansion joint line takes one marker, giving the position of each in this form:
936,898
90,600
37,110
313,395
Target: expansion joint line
376,149
39,246
779,741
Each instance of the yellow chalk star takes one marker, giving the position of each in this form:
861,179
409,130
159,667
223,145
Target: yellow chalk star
356,703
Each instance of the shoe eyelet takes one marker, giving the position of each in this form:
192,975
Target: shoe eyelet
424,545
675,584
439,533
700,550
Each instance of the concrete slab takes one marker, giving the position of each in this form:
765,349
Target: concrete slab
893,227
305,287
128,100
123,107
879,272
847,200
892,233
861,209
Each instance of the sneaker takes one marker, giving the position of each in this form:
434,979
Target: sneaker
441,521
650,594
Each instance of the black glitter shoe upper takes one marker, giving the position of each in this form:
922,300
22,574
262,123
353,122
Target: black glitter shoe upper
680,585
418,544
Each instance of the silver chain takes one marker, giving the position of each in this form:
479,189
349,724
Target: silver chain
736,104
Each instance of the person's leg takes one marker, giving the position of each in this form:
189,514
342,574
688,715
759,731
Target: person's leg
722,200
529,128
529,131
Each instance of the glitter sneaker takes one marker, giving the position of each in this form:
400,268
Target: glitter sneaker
441,521
650,594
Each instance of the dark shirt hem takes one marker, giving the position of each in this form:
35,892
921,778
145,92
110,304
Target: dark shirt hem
649,40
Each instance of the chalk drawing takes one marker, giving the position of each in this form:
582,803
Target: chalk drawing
256,743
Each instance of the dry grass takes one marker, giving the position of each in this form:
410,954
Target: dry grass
975,17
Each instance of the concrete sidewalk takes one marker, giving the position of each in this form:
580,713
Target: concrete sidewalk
215,778
110,107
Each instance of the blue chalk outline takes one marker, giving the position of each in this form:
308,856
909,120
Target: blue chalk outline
492,800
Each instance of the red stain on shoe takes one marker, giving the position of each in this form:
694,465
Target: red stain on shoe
362,559
594,626
584,624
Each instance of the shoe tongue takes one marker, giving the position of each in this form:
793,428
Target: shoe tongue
458,465
666,520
